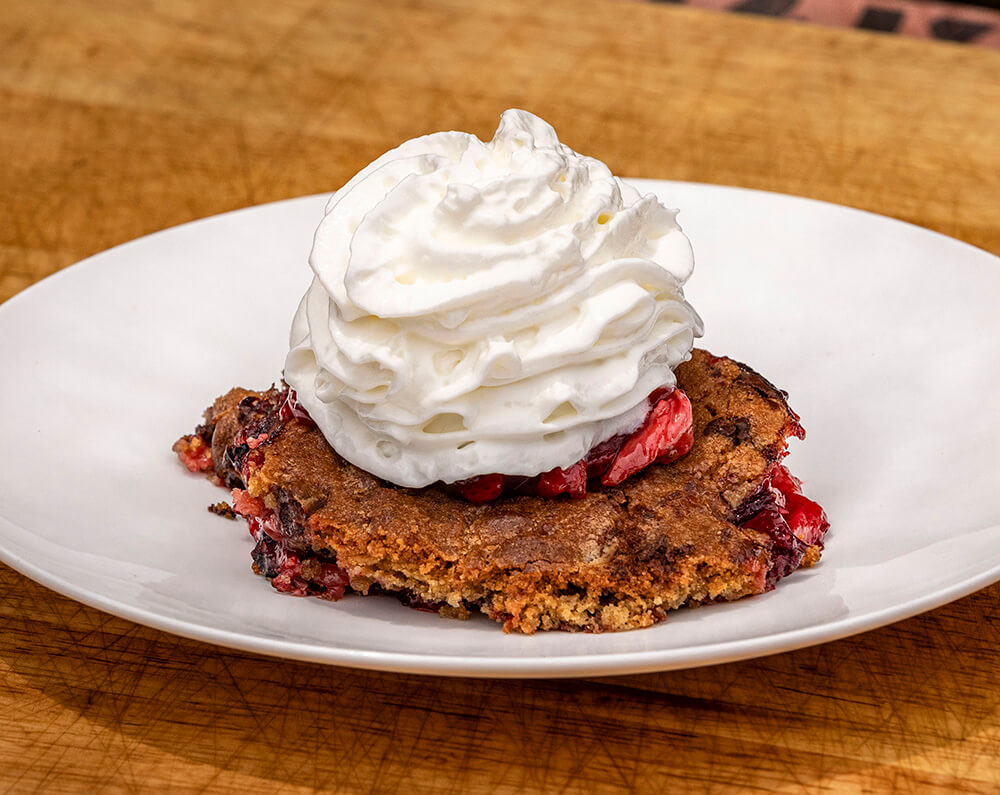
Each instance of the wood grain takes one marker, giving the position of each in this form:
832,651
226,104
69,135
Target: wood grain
120,118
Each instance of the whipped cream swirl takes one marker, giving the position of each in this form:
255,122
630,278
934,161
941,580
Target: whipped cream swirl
488,307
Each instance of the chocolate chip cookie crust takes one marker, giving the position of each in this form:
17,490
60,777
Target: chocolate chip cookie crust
677,534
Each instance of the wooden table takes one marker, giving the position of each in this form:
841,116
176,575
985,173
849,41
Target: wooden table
122,118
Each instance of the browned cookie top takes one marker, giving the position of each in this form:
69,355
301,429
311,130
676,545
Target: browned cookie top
630,539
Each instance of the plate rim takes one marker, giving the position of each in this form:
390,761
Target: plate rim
632,180
554,666
588,664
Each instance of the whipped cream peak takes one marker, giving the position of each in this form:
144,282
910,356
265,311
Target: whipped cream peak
482,307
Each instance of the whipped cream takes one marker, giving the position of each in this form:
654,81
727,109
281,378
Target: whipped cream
488,307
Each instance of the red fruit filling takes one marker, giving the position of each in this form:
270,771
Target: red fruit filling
195,453
292,572
792,520
665,435
290,408
484,488
291,565
572,481
283,554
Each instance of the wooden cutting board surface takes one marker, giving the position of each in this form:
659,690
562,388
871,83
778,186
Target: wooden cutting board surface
122,118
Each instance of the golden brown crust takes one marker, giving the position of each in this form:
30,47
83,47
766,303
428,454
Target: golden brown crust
618,558
222,418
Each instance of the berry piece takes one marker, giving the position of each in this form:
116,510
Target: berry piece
785,482
600,458
557,481
259,518
484,488
195,453
291,409
334,579
665,435
788,549
805,518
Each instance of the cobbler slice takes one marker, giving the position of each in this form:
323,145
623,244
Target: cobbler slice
723,521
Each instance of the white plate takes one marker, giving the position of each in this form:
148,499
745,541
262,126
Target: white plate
886,335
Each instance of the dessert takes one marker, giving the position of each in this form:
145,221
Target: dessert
492,403
488,308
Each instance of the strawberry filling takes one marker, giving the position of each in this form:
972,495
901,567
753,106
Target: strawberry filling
665,435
